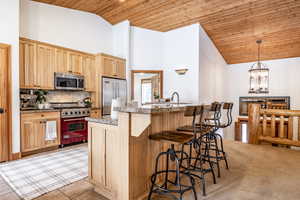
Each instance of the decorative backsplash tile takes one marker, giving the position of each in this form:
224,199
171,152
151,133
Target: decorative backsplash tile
28,98
66,96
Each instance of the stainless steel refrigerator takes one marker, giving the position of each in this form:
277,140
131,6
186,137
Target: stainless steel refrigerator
111,89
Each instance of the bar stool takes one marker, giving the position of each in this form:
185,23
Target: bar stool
212,137
228,108
211,150
195,161
171,156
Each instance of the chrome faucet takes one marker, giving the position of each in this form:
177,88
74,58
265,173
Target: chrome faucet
172,98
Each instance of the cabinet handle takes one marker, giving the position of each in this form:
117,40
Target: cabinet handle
42,115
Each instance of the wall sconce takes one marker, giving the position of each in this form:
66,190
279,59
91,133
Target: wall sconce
181,71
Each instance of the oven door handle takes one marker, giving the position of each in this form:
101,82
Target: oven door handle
71,120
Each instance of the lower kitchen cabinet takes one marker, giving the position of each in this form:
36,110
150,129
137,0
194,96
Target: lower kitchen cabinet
95,113
101,161
33,130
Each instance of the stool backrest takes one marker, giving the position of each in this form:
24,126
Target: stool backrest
228,106
216,109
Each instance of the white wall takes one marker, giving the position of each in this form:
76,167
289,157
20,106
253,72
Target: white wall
212,66
9,34
65,27
121,48
188,47
146,49
284,81
181,50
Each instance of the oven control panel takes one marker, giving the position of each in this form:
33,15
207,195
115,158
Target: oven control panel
75,112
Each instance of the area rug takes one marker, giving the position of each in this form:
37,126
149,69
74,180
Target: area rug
33,177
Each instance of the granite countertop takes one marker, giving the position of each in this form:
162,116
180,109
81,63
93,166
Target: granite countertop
154,108
39,110
103,120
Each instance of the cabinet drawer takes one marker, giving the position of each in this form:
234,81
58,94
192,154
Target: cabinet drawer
40,115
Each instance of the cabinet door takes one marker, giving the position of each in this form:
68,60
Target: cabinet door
75,63
121,69
90,75
27,64
95,97
44,77
32,137
56,142
97,159
109,67
95,113
61,61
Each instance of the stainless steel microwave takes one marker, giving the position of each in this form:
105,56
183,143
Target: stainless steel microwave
68,82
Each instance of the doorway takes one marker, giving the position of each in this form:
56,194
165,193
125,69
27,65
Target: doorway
5,103
147,86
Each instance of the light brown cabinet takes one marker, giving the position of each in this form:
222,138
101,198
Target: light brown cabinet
33,130
39,61
27,64
61,60
44,74
75,63
113,67
121,69
101,162
90,74
95,113
36,66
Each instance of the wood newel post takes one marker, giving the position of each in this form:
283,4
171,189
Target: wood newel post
254,122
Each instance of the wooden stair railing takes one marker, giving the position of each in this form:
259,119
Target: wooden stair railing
263,122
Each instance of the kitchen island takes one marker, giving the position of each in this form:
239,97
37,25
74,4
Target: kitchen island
121,155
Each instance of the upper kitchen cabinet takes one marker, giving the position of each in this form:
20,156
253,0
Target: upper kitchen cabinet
90,74
61,60
39,61
113,66
121,68
75,63
36,65
27,63
45,69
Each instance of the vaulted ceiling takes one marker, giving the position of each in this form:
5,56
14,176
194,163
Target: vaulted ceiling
233,25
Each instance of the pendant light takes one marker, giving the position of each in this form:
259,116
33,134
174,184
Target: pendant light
259,75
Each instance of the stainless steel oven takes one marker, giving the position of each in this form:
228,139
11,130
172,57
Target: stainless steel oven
68,82
73,125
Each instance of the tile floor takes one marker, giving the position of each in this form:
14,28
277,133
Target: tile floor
256,173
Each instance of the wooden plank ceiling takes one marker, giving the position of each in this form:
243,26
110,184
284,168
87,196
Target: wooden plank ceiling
233,25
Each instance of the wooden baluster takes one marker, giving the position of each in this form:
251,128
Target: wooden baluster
273,125
298,128
264,128
281,127
254,123
290,127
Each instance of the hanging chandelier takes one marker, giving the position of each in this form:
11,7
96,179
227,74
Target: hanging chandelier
259,75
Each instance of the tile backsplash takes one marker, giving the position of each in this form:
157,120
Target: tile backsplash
66,96
28,98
